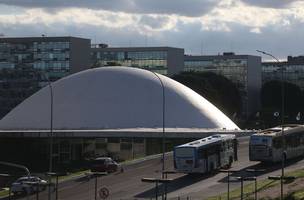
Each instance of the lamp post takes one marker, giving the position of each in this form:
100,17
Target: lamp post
163,120
255,171
157,181
242,179
282,117
228,180
51,136
51,124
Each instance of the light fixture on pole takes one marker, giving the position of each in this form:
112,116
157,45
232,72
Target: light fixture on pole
51,120
282,116
163,120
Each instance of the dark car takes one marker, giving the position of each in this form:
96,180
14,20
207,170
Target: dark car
104,164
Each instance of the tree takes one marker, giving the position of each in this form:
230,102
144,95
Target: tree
271,99
215,88
16,85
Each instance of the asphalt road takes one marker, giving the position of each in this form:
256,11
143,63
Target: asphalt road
128,185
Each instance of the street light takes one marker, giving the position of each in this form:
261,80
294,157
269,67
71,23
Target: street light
228,180
242,179
157,181
51,124
282,116
255,171
163,136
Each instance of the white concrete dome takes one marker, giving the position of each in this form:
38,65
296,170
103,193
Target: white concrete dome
115,98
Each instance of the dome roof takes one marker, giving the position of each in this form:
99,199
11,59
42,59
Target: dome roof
115,98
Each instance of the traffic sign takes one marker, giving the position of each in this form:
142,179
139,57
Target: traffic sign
103,193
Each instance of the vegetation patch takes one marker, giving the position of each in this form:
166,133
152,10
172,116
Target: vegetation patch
4,192
248,192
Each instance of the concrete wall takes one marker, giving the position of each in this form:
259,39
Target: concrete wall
79,54
254,80
175,61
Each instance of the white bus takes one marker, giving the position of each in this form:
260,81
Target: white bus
269,145
206,155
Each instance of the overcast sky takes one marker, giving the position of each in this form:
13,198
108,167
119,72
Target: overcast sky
198,26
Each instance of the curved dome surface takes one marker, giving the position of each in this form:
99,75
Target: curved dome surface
115,98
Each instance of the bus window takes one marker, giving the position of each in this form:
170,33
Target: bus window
202,153
213,149
184,152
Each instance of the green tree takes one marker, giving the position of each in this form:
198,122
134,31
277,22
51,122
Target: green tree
16,85
271,99
215,88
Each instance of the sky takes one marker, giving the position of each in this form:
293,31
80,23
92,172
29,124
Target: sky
205,27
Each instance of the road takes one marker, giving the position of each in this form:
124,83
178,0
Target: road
128,185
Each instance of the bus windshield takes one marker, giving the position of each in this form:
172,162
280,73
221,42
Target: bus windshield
260,140
184,152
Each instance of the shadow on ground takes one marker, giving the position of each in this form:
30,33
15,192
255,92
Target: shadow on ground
174,185
264,168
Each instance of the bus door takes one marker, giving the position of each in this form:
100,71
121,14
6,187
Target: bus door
226,153
235,148
202,161
213,157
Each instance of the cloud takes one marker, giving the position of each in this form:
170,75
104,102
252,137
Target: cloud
191,35
228,26
177,7
154,22
270,3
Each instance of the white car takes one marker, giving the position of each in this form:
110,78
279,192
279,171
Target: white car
28,185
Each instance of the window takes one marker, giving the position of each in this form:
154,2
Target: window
113,140
126,146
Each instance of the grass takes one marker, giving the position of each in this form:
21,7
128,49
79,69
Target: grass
248,190
263,185
71,175
4,193
299,194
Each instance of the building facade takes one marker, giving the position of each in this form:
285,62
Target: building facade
31,147
162,60
27,64
293,71
242,70
55,56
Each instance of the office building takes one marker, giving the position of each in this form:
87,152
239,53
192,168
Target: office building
293,71
28,63
162,60
55,56
242,70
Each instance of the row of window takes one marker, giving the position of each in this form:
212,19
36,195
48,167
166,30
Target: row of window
147,64
52,56
291,140
119,56
55,64
216,63
216,148
51,45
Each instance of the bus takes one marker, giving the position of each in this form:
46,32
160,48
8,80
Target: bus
273,145
206,155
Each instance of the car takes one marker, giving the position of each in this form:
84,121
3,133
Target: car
104,164
28,185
